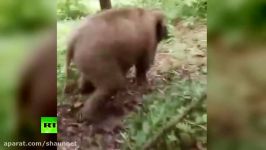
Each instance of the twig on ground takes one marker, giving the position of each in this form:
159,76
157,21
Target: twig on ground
194,124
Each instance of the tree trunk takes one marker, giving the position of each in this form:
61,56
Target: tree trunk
105,4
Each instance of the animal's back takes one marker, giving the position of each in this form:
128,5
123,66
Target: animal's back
110,34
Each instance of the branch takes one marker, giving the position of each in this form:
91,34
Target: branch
197,125
152,141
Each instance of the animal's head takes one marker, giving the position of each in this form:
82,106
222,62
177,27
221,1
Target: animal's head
161,25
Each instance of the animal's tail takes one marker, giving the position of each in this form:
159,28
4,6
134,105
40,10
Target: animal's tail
69,58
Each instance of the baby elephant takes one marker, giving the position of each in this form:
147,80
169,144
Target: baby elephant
107,45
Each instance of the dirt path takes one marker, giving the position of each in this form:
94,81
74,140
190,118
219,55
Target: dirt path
188,49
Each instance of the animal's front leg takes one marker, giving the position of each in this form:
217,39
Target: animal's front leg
142,68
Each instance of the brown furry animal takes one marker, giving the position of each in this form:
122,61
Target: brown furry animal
105,47
37,93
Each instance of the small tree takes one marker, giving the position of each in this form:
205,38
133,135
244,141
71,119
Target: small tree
105,4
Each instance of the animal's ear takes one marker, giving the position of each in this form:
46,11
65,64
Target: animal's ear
161,29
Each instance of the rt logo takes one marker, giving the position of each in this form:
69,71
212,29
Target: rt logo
48,124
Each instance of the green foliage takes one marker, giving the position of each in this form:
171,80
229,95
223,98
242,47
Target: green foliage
235,19
185,9
25,15
174,9
159,108
71,9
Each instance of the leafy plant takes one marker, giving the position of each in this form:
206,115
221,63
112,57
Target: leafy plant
160,108
22,16
71,9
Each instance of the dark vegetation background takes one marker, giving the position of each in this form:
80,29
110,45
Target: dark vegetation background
236,75
23,26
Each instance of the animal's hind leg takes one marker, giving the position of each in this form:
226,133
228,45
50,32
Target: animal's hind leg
106,86
84,85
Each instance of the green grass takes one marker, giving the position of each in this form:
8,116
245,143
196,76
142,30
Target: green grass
159,108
